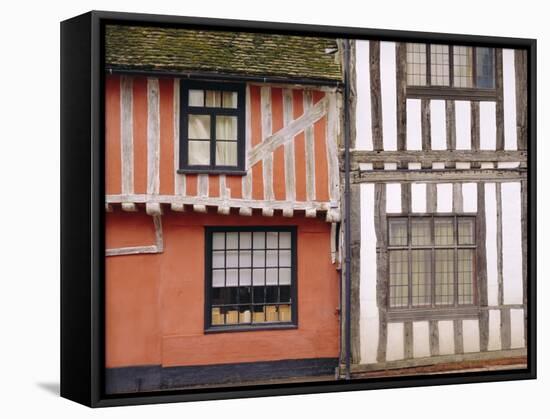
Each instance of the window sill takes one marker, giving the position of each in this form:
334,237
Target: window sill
248,328
443,92
443,313
237,172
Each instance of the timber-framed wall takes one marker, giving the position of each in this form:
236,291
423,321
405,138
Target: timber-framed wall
82,241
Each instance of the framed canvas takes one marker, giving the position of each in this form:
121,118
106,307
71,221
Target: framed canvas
253,209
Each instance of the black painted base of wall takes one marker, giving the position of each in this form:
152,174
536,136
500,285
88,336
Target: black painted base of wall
155,377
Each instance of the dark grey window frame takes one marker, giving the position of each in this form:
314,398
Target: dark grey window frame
433,311
292,324
239,112
429,91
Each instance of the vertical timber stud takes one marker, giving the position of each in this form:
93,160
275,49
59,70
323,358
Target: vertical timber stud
458,208
352,100
408,340
431,204
355,221
381,267
450,125
347,203
524,215
426,125
401,82
376,100
481,258
475,130
520,61
500,100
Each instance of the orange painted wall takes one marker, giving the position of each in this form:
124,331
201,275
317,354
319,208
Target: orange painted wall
155,303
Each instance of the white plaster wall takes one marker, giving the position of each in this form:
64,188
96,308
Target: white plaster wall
487,126
495,343
414,124
463,124
363,117
421,339
393,198
469,197
517,328
395,349
491,244
418,197
511,243
368,318
444,197
446,337
438,125
470,335
388,92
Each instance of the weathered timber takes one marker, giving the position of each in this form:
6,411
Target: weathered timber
355,269
401,82
247,179
158,247
450,124
522,106
450,175
290,178
153,136
127,134
179,178
408,340
426,125
505,328
458,336
481,266
499,106
267,130
429,157
309,149
381,267
375,96
474,128
434,337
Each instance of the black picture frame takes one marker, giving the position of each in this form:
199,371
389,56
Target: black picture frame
82,210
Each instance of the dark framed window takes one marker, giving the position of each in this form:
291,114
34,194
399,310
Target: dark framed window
212,127
250,278
432,261
450,70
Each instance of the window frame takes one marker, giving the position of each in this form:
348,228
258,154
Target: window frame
433,310
185,110
451,92
292,324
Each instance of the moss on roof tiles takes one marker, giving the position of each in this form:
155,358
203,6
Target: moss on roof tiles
183,50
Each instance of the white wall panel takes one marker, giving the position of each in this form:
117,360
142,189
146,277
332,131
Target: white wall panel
511,243
421,339
395,349
414,124
509,99
363,115
388,92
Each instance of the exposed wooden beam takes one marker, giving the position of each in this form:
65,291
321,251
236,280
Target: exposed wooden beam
363,156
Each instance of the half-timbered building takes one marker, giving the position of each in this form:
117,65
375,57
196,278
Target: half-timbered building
227,160
222,205
438,207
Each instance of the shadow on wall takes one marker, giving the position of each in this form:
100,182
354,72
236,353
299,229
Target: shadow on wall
52,388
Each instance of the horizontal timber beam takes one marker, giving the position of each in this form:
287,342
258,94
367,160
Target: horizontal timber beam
364,156
436,176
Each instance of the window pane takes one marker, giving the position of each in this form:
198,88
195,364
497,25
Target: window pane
284,276
444,276
226,153
226,128
272,240
218,278
218,240
246,240
284,258
271,275
444,231
398,232
416,64
245,315
196,98
485,68
231,277
399,278
259,240
218,259
259,258
232,240
284,240
217,317
230,100
245,277
245,258
285,313
421,232
272,258
466,231
465,276
213,99
439,56
232,258
271,314
199,153
421,272
462,66
198,127
245,296
284,294
258,277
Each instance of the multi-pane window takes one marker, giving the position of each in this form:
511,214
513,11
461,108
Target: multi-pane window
450,66
251,277
431,261
212,126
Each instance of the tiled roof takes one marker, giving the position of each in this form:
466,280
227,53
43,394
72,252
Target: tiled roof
238,53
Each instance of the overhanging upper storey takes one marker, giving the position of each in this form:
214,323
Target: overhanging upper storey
198,119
